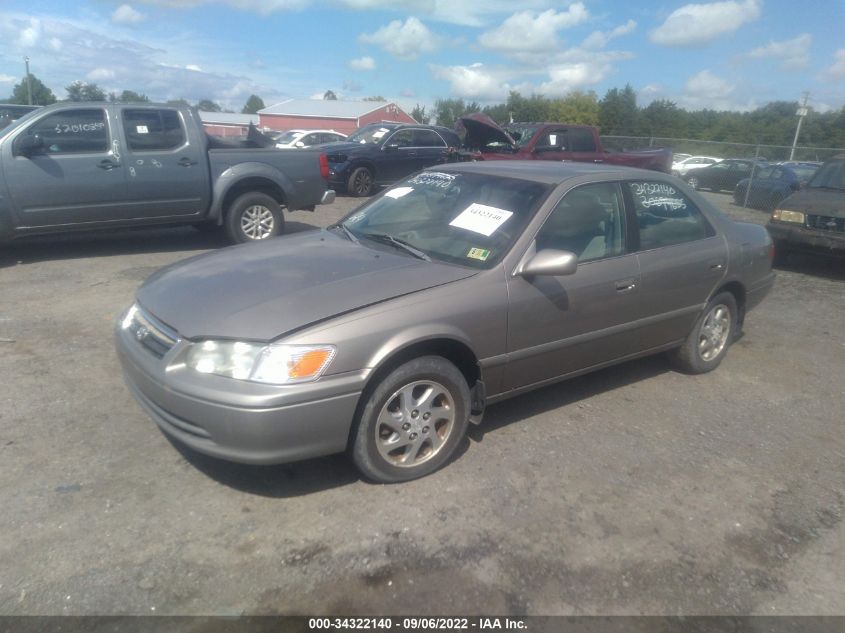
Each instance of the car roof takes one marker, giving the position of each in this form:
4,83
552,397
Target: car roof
546,172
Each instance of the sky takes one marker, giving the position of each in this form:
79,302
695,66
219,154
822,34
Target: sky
727,55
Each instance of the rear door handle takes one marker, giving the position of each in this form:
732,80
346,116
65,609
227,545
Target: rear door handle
626,285
107,164
186,162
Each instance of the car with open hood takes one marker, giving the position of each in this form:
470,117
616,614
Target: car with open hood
386,334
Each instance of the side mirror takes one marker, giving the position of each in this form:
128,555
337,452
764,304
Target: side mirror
549,263
29,145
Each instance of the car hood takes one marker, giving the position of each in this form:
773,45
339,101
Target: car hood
265,290
482,130
344,147
817,201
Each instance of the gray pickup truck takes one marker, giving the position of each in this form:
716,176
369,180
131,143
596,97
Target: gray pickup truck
79,166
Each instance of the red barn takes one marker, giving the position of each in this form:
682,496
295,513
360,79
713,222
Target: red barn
227,123
322,114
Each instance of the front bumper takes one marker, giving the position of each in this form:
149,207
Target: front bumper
237,420
799,238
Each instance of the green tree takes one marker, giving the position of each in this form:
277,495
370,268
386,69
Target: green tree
84,91
662,118
577,108
533,108
418,114
448,111
618,112
376,98
499,113
253,105
129,96
41,94
329,95
207,105
178,102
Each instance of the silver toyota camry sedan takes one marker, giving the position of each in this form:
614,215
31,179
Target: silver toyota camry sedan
388,333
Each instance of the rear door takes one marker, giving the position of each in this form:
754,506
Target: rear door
431,148
681,259
78,177
167,168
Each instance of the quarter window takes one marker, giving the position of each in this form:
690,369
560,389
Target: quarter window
73,131
149,129
588,221
665,216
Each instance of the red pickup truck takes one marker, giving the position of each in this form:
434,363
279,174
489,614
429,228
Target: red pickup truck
486,140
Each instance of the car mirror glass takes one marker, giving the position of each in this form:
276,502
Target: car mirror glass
549,263
28,145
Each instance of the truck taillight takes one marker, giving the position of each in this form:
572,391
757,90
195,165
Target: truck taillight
324,167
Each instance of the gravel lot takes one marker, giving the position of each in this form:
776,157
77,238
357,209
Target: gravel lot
635,490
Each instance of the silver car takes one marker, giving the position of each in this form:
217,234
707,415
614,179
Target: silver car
388,333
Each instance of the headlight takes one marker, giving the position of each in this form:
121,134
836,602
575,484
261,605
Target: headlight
273,364
788,216
129,317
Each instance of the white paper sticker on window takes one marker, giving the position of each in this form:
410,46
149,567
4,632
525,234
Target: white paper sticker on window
381,132
398,192
141,129
479,218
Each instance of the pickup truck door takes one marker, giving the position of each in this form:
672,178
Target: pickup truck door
562,144
167,165
559,325
76,176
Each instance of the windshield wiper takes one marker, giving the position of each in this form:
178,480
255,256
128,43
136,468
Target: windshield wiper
348,233
400,244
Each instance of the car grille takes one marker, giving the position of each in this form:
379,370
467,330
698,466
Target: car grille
151,334
826,223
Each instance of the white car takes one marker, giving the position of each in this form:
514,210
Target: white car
308,138
681,167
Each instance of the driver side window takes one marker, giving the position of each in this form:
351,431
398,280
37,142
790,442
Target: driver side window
588,221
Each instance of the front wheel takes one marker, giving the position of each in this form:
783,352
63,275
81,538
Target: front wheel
707,344
360,182
253,217
693,182
412,422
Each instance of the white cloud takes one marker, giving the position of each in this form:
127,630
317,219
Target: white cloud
362,63
193,67
30,35
100,74
695,24
6,78
599,39
794,54
405,40
408,93
464,12
837,69
706,90
55,43
475,81
125,14
530,31
262,7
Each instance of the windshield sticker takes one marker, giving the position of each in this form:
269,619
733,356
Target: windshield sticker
479,253
658,194
141,129
433,179
380,133
398,192
479,218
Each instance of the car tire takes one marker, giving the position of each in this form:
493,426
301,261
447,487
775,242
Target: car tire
712,335
360,183
422,407
693,182
254,217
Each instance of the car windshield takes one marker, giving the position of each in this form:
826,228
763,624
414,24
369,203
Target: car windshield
287,137
373,134
830,176
466,219
521,133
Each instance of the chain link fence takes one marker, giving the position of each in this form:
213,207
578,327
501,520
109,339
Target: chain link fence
755,180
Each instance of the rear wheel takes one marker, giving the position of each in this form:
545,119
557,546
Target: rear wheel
412,422
253,217
360,182
707,344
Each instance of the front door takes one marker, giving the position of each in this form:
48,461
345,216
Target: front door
77,177
398,157
558,325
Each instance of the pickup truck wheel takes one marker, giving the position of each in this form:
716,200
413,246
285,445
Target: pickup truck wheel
360,182
412,421
254,217
707,344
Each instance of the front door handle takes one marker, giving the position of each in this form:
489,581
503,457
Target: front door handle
626,285
717,265
107,164
186,162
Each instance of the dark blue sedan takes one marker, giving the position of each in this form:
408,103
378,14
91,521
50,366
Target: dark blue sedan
774,183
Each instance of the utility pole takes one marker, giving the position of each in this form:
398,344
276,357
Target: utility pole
28,82
802,112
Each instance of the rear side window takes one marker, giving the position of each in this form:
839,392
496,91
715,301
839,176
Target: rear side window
73,131
427,138
665,216
581,140
149,129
